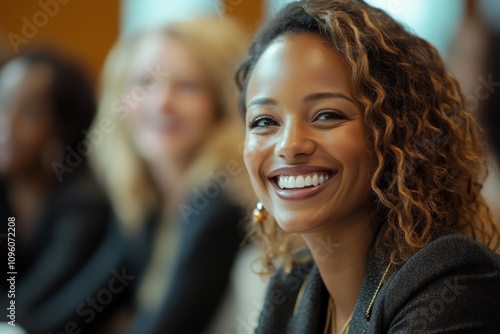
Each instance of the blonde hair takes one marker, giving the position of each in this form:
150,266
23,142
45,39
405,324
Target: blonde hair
218,44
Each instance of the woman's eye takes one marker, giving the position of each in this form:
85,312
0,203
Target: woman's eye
262,122
329,115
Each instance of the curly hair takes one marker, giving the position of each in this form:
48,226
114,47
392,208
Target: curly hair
430,163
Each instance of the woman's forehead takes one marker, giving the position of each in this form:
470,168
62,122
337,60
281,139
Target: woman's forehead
300,62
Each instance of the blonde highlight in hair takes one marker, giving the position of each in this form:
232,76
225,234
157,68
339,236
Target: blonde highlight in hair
430,162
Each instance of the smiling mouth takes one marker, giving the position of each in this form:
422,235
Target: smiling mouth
310,180
300,182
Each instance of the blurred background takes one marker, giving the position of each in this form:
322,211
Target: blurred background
105,242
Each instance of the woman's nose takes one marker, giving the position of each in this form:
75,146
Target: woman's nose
166,98
294,142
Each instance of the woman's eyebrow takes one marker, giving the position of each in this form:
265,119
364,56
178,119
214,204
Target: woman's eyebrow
265,101
326,95
262,101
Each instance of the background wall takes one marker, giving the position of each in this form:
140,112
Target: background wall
140,14
86,28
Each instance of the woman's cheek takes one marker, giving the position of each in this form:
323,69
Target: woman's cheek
252,154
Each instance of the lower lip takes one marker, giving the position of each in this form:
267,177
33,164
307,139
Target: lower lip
300,193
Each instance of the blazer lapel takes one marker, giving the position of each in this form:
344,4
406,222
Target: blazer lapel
374,272
311,309
310,317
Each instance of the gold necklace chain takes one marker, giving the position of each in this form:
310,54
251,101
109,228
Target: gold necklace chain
369,309
331,321
331,304
329,315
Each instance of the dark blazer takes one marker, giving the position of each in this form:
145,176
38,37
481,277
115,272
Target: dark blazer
210,239
53,274
450,286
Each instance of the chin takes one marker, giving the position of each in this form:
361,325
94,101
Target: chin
298,223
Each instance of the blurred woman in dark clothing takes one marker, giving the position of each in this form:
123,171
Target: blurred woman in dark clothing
46,105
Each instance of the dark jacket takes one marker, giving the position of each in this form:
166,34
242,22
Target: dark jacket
450,286
210,238
56,267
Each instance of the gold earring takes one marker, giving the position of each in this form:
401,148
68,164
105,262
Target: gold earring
259,214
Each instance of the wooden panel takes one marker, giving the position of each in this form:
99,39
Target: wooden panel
86,28
248,12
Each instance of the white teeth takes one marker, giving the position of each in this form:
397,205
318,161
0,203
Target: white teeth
295,182
308,181
300,183
281,182
315,180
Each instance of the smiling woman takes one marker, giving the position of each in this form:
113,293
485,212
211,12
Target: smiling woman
304,125
359,145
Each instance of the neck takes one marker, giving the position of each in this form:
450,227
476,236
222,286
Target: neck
170,179
341,251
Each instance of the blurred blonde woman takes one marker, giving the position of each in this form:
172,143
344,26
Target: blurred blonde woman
170,158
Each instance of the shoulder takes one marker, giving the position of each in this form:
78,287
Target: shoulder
459,248
453,282
453,253
80,190
210,204
289,284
